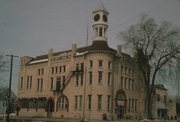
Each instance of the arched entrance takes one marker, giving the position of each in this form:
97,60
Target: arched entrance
50,107
120,103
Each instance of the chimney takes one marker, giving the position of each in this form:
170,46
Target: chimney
119,50
50,53
74,47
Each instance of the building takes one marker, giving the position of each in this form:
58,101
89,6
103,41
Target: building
93,82
3,100
160,109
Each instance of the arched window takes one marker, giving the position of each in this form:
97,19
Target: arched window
121,96
62,103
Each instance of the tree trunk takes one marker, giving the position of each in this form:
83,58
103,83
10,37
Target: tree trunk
149,106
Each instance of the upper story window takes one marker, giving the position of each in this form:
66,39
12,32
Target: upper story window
40,71
100,63
122,69
125,70
64,68
110,65
60,68
90,77
129,71
109,78
100,31
158,97
52,70
90,63
21,84
56,69
100,77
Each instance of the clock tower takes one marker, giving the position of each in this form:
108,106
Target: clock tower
100,19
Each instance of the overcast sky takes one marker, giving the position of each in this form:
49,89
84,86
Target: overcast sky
31,27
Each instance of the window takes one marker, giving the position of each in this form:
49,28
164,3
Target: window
38,84
51,86
122,69
96,30
90,63
99,102
39,71
121,96
129,71
89,101
27,85
63,81
133,72
56,69
82,66
42,71
125,70
100,63
129,84
80,102
132,85
77,67
52,70
129,106
108,103
76,102
132,105
109,78
21,86
81,79
60,69
77,80
62,103
135,105
90,77
100,77
41,85
58,83
30,85
109,65
64,68
122,82
158,97
100,31
125,83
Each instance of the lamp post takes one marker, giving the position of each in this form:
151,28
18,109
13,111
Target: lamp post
9,90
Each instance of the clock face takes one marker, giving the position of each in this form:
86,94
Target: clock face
105,18
96,17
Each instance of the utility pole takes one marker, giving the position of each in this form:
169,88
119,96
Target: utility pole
9,90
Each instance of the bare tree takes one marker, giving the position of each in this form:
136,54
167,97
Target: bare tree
156,46
3,66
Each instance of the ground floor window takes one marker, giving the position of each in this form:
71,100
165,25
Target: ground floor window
62,103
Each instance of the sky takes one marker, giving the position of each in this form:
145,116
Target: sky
31,27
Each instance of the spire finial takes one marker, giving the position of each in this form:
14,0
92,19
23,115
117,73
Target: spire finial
100,7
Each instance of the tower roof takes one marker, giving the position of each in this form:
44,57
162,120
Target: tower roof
100,7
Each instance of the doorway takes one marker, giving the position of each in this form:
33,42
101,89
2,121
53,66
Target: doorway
120,112
50,107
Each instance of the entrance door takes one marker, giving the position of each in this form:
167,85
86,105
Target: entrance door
50,107
120,112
